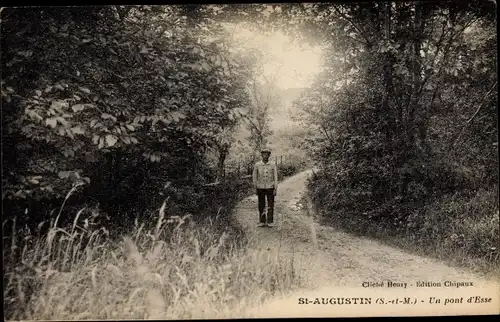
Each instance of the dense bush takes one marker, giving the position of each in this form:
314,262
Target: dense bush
123,101
464,221
287,170
406,121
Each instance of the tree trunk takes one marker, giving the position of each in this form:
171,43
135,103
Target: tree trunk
387,73
394,133
416,77
220,163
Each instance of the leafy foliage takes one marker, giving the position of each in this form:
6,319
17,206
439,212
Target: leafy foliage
401,82
114,97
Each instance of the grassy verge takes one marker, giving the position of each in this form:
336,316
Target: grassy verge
461,229
174,270
169,267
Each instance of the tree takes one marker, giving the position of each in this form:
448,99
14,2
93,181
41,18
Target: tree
264,97
402,65
113,96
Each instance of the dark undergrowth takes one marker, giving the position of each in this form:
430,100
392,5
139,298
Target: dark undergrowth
460,228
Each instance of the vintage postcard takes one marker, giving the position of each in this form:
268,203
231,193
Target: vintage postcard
239,160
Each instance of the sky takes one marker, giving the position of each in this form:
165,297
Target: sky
298,65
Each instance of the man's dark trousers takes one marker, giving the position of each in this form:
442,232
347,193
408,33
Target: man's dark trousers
262,194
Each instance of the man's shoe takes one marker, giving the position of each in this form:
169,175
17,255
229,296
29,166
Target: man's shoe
270,225
261,225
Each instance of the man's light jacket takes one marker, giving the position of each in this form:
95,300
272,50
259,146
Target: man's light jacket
265,175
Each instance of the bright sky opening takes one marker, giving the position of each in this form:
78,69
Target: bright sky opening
295,67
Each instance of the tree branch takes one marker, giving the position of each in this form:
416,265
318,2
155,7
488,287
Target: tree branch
123,12
271,87
473,116
361,32
418,95
438,45
256,94
252,124
415,97
357,40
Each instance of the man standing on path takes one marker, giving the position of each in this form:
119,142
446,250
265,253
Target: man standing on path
265,180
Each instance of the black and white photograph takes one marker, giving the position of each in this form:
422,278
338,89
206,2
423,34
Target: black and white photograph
232,160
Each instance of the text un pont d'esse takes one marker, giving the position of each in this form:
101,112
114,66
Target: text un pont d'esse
396,300
404,300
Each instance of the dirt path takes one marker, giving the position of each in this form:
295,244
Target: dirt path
334,264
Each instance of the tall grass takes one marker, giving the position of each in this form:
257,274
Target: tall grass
171,269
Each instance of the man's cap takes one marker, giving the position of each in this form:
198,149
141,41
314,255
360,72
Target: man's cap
265,150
